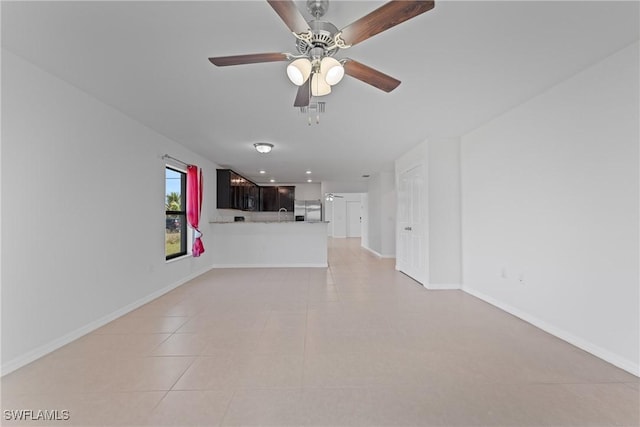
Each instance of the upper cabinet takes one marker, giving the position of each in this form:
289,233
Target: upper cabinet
286,197
236,192
274,198
269,199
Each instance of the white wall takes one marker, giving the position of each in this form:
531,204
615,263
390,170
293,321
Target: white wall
374,214
307,191
388,218
343,187
443,181
364,240
339,217
550,194
83,213
381,215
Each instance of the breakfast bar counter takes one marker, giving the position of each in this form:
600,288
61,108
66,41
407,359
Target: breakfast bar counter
268,244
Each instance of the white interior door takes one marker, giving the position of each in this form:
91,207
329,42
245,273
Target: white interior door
354,219
411,256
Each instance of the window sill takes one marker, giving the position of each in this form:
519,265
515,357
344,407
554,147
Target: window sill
177,258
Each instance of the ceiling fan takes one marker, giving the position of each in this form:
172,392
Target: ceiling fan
314,68
330,196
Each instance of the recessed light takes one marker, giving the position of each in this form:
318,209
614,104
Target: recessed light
262,172
308,172
309,180
272,180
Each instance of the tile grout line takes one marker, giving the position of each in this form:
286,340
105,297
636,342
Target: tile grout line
304,346
226,409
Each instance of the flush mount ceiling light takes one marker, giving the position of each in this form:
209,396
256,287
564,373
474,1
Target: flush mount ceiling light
313,68
263,147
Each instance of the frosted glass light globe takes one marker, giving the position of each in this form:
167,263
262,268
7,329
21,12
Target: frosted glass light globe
332,70
299,70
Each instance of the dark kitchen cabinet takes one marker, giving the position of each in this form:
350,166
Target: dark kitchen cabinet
251,197
269,199
273,198
235,191
286,197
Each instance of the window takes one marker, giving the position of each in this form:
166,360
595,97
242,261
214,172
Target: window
176,213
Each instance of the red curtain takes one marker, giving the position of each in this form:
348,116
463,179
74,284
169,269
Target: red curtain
194,206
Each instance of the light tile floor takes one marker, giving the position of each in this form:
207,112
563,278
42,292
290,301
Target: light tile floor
355,344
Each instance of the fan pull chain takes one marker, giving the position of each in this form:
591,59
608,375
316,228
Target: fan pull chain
318,107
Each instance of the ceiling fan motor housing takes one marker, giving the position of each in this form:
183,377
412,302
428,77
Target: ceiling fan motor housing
322,37
317,8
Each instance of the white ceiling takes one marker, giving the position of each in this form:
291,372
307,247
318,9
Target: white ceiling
461,64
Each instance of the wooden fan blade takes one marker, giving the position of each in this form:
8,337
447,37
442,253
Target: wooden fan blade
388,15
253,58
371,76
302,98
290,14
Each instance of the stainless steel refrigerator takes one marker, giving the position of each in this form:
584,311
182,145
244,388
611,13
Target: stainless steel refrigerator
307,210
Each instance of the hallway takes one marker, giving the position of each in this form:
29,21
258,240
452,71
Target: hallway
356,344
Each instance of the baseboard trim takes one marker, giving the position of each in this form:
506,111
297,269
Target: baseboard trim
301,265
443,286
45,349
378,254
587,346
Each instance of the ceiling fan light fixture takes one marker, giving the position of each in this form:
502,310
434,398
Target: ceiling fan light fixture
319,86
313,70
263,147
299,71
332,70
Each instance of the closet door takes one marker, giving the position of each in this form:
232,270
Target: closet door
411,257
